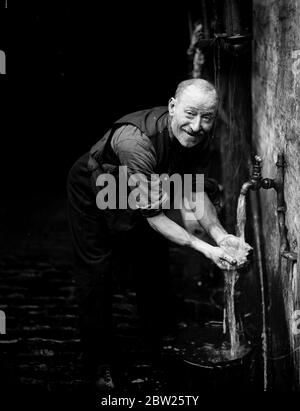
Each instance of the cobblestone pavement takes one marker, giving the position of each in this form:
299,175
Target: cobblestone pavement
40,351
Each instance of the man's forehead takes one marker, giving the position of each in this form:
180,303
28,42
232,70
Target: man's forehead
194,96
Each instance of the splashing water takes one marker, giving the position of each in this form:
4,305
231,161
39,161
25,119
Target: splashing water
206,345
230,278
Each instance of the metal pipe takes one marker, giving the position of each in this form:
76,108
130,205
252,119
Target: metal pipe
256,182
205,20
263,283
254,185
278,185
281,208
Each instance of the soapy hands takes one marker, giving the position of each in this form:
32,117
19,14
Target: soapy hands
237,248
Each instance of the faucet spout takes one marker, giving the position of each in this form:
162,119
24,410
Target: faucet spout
255,180
246,187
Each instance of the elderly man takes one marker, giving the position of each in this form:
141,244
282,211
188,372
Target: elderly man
149,143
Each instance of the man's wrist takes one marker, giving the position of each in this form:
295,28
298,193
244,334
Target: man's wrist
202,246
218,234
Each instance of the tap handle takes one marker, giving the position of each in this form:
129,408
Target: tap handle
256,172
257,160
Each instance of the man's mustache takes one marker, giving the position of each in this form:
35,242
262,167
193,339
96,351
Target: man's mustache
199,133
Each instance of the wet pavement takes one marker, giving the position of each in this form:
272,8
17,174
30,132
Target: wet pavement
41,352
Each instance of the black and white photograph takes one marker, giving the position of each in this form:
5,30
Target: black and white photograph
149,207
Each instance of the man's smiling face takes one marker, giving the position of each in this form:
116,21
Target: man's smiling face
192,115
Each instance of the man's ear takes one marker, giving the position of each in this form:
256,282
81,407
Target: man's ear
171,106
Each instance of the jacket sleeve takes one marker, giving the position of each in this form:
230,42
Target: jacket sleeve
135,151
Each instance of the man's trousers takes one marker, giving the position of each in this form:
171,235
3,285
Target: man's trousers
96,237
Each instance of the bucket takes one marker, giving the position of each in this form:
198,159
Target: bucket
205,363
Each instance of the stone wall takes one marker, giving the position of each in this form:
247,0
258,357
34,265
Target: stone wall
276,129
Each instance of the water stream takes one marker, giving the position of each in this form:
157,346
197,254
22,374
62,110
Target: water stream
230,278
241,217
206,346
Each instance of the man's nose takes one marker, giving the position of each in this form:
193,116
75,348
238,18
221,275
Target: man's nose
196,124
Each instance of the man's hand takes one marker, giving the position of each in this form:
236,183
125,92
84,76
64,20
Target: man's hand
222,259
236,248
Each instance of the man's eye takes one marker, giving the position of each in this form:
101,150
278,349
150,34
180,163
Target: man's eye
190,113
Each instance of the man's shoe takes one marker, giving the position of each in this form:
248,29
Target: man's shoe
104,380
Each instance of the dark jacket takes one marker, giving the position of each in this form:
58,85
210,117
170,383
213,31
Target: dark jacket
171,156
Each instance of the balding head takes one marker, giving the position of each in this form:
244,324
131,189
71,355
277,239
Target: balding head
192,111
201,85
